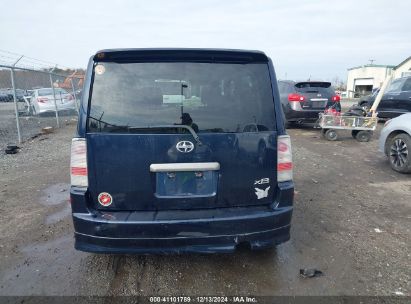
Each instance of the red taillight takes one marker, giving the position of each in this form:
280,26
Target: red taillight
285,166
284,159
336,98
296,97
79,171
78,163
42,99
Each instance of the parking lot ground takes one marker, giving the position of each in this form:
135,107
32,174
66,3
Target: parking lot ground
351,221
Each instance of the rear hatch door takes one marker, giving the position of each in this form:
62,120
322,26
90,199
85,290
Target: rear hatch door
140,150
317,94
124,165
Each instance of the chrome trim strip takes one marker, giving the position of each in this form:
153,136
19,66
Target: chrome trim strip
175,167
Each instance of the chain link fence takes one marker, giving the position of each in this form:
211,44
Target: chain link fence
34,99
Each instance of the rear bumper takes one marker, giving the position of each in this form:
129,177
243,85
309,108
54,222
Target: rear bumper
295,112
304,115
174,245
181,231
60,107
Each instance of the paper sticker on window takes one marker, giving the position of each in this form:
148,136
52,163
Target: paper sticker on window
99,69
173,99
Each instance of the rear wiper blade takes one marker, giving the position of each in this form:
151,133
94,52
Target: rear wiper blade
117,127
190,129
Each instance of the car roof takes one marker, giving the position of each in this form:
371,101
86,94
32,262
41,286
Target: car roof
314,82
310,81
180,54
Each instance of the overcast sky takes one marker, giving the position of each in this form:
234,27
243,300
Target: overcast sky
318,38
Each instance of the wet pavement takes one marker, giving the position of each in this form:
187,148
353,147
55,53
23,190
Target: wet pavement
57,195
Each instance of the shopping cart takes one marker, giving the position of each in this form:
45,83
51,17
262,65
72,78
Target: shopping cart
361,127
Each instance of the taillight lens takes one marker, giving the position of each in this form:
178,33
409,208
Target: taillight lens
296,97
284,159
42,99
78,163
336,98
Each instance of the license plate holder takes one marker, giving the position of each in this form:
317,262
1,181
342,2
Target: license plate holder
186,184
318,103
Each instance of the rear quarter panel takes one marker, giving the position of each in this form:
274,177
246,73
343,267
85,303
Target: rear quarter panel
279,116
397,125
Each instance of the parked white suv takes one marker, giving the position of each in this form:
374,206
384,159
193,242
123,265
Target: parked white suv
395,142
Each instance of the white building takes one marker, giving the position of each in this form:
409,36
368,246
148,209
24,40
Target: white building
403,69
362,79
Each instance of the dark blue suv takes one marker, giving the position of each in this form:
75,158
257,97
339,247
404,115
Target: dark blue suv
180,150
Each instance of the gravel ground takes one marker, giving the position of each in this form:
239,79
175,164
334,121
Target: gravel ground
351,221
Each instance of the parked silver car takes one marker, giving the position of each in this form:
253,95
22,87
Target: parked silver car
395,142
42,100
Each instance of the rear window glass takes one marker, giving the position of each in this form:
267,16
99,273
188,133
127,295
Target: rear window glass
215,97
301,85
315,87
45,92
